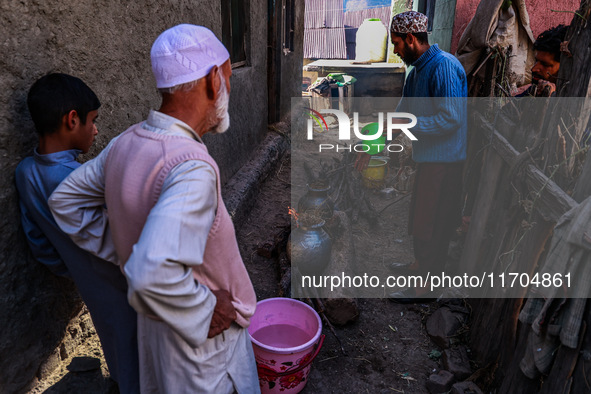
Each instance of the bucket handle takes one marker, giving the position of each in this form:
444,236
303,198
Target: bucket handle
272,373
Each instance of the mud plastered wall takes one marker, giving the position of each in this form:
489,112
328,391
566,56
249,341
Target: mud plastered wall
107,44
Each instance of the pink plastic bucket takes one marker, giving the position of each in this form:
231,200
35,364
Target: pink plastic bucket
286,337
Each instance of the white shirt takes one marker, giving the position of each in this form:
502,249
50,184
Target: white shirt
159,270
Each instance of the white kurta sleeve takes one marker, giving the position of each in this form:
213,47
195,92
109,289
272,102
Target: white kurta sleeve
78,207
159,270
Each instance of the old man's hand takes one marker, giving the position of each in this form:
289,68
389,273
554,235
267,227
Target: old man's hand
223,314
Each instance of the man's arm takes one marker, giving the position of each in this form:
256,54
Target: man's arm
172,242
449,91
78,207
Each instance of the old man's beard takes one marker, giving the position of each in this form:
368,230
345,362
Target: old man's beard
222,121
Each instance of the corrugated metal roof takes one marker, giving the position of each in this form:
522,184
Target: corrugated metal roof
324,33
323,14
334,13
336,47
356,18
314,43
325,44
314,14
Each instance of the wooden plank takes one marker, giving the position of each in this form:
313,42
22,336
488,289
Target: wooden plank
494,318
574,76
551,201
563,367
485,198
512,379
498,142
567,118
582,373
583,186
498,318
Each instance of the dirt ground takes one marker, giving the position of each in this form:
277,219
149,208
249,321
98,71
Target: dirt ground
385,351
93,381
387,348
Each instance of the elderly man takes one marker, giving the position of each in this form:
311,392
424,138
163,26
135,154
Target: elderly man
170,227
441,146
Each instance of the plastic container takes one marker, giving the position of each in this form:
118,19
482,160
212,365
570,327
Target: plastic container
371,41
377,145
286,337
373,176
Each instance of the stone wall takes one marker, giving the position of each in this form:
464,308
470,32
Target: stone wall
107,44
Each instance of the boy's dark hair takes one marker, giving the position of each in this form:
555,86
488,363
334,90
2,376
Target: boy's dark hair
549,41
422,37
54,95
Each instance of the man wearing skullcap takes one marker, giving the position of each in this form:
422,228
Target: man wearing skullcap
171,230
440,149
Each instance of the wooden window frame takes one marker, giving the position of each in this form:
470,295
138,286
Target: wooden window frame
288,30
236,13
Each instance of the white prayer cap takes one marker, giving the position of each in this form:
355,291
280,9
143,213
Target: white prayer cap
185,53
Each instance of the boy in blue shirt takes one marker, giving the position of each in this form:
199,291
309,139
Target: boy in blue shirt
64,110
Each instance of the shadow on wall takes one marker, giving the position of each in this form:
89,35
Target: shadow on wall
36,306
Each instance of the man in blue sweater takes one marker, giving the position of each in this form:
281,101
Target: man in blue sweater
434,91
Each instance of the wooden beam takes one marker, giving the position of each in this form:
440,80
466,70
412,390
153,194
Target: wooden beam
574,75
549,199
483,209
